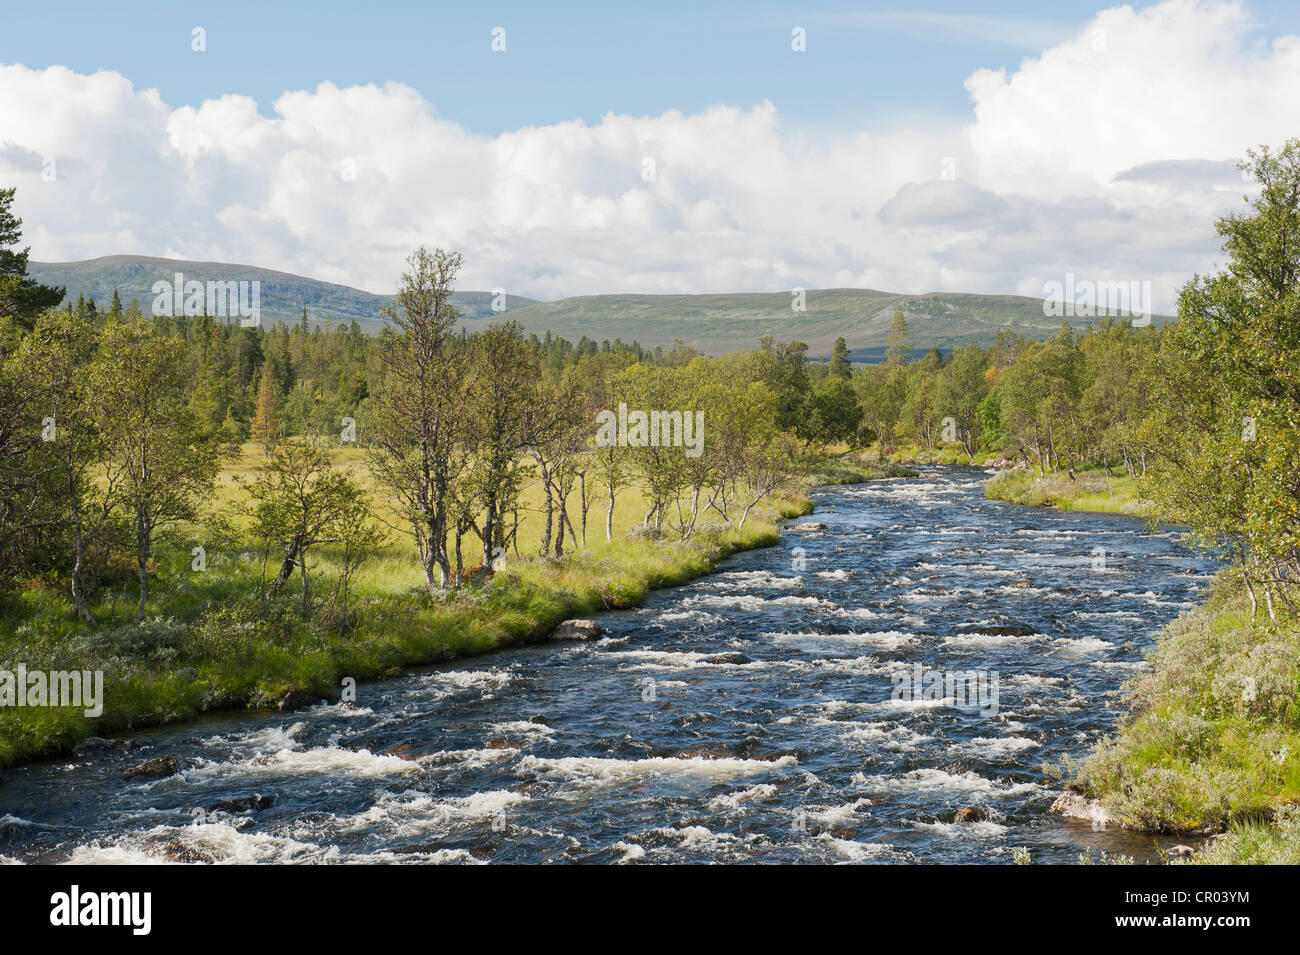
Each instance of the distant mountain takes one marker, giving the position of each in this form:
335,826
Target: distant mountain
713,323
722,323
282,295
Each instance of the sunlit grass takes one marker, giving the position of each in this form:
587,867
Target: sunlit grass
1094,490
209,641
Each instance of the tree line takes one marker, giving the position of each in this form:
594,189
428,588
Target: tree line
118,425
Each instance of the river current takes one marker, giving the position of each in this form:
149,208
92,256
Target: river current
839,697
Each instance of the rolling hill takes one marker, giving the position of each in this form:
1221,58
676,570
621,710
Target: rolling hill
713,323
722,323
283,295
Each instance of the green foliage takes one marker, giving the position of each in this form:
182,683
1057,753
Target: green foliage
1225,419
21,298
1215,734
210,642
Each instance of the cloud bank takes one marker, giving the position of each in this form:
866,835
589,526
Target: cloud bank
1108,155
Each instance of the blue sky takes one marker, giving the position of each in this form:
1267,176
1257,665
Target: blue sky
867,62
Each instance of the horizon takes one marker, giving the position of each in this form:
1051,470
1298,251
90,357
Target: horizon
624,294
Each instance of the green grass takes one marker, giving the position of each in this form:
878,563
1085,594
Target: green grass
1094,490
208,642
851,468
1213,739
946,452
210,645
1276,843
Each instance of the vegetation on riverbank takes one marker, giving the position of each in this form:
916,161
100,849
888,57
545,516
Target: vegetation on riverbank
210,642
847,469
1095,490
1213,739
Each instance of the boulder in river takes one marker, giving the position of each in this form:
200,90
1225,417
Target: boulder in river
160,767
731,657
409,750
998,631
971,814
808,526
1074,806
97,744
298,700
578,630
177,851
255,803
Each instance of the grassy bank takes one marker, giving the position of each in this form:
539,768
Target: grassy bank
1213,740
225,651
853,469
1096,491
209,642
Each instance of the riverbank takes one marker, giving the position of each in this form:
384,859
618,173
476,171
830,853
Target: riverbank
1212,743
1094,491
210,643
855,470
228,651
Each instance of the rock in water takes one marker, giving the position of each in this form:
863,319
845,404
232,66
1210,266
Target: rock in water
256,803
729,657
97,744
808,526
1074,806
578,630
971,814
158,768
298,700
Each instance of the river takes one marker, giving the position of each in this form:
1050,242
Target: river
759,714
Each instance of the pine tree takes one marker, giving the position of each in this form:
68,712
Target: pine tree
841,367
899,348
20,297
265,423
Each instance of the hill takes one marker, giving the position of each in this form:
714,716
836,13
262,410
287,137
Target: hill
282,295
713,323
721,323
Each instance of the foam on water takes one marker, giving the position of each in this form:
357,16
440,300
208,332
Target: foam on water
596,770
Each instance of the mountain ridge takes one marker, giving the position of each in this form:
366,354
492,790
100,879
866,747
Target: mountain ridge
713,322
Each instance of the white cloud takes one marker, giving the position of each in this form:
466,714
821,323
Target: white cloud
1107,155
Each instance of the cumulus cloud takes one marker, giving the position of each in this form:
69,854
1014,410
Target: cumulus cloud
1108,155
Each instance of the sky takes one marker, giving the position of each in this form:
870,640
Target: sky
571,149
